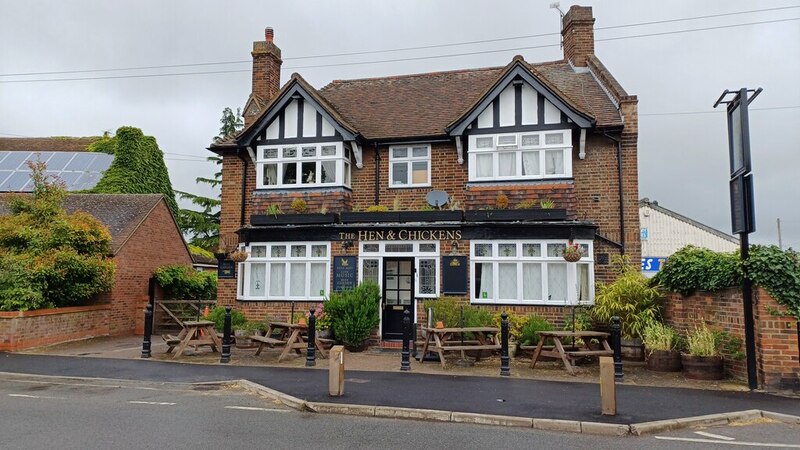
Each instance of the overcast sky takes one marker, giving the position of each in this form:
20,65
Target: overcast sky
677,76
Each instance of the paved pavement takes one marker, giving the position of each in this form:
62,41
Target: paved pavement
515,397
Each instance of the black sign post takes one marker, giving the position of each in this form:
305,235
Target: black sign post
743,219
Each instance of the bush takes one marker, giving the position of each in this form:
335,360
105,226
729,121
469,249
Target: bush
693,268
515,323
631,297
448,310
528,334
778,272
217,315
184,283
702,342
354,313
657,336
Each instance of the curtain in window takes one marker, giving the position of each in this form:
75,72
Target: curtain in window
483,287
531,281
583,282
317,279
277,279
297,280
507,164
557,282
507,280
328,172
554,162
483,165
270,174
419,172
530,163
257,277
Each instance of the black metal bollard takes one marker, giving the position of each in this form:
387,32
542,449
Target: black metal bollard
311,353
405,364
148,330
414,340
616,345
226,337
504,368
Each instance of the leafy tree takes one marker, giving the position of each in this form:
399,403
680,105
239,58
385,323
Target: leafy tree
202,225
138,166
51,258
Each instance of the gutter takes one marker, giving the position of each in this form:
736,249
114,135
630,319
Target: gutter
377,174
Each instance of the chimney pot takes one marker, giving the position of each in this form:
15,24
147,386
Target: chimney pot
269,34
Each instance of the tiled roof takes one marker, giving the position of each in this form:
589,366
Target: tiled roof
46,144
121,213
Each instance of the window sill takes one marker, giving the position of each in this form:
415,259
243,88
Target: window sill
284,300
528,303
410,186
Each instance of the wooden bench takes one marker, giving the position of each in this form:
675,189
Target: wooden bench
171,341
264,340
579,353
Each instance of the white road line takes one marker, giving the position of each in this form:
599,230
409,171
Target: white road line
715,436
253,408
136,402
712,441
36,396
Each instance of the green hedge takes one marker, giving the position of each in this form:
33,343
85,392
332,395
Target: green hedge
185,283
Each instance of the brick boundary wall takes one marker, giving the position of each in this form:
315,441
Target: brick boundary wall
20,330
777,355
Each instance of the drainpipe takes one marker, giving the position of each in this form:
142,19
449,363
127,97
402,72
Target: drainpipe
244,184
377,174
619,188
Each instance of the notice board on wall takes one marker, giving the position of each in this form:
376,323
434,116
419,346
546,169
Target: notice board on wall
226,269
454,274
345,273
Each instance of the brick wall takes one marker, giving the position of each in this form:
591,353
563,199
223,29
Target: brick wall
26,329
578,34
776,336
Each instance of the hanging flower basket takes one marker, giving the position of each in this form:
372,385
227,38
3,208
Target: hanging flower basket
572,253
238,256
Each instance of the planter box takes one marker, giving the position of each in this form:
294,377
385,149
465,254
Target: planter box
401,216
510,215
632,349
702,367
664,361
292,219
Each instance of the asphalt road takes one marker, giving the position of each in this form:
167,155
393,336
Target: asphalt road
46,413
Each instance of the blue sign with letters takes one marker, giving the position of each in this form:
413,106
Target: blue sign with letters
652,264
645,234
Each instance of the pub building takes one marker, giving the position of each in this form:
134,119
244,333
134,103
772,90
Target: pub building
485,176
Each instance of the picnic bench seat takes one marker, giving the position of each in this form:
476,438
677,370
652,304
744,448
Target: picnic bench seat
171,341
579,353
265,340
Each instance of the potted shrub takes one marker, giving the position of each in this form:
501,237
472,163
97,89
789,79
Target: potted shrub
515,325
703,360
635,301
529,333
660,342
323,322
354,314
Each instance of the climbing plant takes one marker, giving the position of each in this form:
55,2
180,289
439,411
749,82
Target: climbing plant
778,272
138,166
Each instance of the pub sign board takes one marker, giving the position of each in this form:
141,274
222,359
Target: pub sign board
454,274
345,273
226,269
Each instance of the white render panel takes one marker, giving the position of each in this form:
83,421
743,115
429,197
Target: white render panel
290,114
551,113
530,109
507,107
309,120
272,129
668,234
486,118
327,128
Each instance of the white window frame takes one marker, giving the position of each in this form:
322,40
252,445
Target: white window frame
243,276
415,253
543,259
409,162
518,149
341,158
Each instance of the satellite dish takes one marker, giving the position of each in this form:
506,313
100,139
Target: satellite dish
437,199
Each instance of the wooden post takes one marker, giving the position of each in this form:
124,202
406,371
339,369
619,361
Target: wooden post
608,390
336,371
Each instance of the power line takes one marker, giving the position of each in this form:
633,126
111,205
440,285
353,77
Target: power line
423,47
720,112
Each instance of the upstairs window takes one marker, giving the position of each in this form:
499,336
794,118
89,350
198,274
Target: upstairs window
410,166
303,165
520,156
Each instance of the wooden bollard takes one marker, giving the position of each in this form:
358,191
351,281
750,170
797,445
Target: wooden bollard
336,371
608,390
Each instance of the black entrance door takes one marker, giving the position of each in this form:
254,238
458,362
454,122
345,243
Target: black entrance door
398,295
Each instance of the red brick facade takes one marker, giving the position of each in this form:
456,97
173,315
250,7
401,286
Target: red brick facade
26,329
776,335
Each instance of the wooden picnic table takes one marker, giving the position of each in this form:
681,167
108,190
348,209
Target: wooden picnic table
195,333
451,339
570,356
292,336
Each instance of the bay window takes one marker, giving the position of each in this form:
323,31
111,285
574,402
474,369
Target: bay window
530,272
285,271
520,156
303,165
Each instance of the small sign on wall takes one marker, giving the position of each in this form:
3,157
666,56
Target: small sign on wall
345,273
454,274
645,234
226,269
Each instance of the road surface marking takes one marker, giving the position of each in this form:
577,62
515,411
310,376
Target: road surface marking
714,441
151,403
714,436
35,396
253,408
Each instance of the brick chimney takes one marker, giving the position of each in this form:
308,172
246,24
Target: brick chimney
577,31
266,74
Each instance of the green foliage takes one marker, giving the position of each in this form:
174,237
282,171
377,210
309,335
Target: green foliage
217,315
230,123
546,203
354,313
694,268
778,272
583,319
201,227
377,208
515,323
729,345
535,324
138,166
526,204
299,206
702,342
448,310
51,258
184,283
657,336
273,210
201,252
631,298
